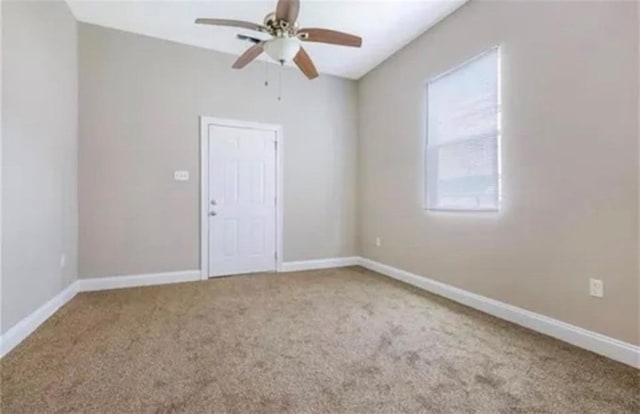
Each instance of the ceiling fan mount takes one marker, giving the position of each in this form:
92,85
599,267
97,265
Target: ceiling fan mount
286,37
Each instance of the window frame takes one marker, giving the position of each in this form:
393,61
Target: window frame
426,179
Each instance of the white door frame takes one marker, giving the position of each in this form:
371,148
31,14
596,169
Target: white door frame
205,121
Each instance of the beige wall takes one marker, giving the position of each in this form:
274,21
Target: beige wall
638,166
140,99
570,158
39,157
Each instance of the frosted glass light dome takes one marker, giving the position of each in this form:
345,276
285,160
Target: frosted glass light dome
282,49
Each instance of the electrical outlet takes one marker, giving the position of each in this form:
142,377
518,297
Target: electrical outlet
378,241
63,260
596,288
181,175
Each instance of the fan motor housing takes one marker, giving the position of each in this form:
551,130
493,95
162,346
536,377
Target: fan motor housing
270,19
279,27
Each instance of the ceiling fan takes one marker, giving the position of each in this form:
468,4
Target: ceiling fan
286,37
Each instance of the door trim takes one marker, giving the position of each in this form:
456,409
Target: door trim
205,121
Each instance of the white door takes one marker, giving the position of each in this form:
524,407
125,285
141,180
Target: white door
242,200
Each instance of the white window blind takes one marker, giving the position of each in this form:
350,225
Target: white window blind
463,134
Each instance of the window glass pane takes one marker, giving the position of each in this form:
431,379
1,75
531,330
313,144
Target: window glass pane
468,158
467,176
463,103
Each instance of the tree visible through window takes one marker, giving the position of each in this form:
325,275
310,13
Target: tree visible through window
463,136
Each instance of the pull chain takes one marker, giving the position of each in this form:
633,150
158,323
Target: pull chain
266,73
280,81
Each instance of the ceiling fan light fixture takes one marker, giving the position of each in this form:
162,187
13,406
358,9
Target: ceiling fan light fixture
286,37
282,49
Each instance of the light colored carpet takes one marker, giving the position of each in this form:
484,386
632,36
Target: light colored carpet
334,341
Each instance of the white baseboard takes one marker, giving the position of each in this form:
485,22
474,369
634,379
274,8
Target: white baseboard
319,264
592,341
150,279
20,331
26,326
601,344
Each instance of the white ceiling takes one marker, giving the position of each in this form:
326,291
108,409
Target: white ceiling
385,25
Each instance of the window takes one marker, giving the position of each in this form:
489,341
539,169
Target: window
463,137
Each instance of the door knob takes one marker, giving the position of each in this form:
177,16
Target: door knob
213,213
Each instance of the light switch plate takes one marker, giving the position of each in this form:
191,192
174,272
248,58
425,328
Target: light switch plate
181,175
